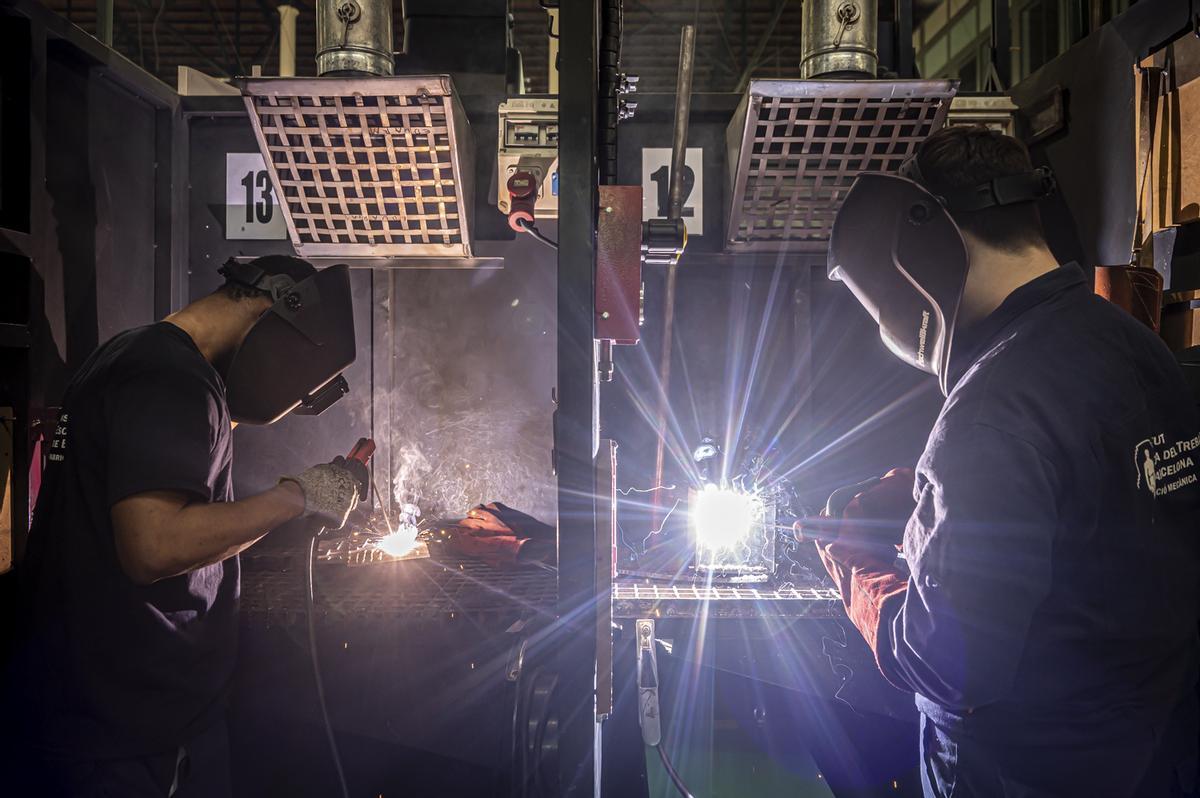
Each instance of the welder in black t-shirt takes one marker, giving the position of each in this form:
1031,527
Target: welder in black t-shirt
130,583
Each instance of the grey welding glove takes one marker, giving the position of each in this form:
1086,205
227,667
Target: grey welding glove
330,492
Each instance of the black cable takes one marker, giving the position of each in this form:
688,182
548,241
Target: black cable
530,228
676,779
310,611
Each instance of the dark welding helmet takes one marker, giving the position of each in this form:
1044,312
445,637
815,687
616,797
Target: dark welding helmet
897,248
293,356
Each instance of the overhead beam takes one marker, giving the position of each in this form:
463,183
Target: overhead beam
753,61
227,56
185,41
267,44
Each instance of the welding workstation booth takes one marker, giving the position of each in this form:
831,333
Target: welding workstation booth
534,328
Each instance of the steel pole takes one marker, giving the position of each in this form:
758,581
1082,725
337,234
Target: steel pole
683,106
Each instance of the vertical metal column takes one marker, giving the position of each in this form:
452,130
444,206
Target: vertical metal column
576,421
905,57
104,21
1002,49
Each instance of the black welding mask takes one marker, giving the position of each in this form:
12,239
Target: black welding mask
293,356
897,248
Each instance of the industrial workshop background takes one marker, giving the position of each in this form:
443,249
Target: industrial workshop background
522,338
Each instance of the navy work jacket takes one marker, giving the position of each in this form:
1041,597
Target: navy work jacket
1052,601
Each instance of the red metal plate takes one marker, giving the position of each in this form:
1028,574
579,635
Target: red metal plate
619,264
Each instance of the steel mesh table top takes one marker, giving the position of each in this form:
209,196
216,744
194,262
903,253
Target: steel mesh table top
409,590
445,587
366,166
645,599
797,145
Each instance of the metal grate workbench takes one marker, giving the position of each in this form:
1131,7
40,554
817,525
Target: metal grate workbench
645,599
795,147
446,587
367,166
408,591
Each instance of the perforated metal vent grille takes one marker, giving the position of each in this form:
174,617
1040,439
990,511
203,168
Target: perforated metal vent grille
795,147
368,167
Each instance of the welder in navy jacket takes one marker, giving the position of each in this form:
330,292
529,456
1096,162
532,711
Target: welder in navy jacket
1047,621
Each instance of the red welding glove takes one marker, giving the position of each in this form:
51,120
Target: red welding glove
501,536
861,559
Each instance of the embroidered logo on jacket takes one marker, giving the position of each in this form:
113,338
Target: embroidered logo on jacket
1164,468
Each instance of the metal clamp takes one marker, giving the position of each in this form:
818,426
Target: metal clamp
649,716
847,14
348,12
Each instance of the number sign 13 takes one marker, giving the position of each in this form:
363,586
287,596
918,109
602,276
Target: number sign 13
251,211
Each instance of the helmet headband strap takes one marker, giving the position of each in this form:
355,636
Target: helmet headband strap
1006,190
251,276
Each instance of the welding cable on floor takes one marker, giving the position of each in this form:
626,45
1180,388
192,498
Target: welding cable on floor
530,228
311,613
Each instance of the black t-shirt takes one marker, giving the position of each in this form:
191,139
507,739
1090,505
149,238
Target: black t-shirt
120,669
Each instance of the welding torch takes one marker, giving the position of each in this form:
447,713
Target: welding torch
824,528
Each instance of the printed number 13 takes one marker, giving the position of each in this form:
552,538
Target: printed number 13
264,206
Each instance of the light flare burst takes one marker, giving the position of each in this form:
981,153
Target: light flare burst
722,518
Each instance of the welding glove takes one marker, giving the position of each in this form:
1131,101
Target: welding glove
502,536
331,491
859,549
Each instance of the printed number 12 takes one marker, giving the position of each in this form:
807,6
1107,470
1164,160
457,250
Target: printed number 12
263,208
662,180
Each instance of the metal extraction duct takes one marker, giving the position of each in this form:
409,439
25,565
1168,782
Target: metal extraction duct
839,39
366,164
354,37
795,146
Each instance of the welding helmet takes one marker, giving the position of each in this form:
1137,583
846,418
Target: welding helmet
899,251
293,356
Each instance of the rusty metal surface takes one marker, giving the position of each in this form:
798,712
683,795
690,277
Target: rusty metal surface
619,264
443,587
646,599
795,147
367,167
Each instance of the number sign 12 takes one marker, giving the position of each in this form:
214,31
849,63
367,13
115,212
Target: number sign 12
251,212
656,186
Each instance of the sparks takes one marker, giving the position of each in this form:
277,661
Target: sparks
400,542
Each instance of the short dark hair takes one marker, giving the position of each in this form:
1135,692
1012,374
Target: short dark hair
271,264
969,155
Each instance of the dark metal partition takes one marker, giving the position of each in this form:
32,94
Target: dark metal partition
575,441
90,237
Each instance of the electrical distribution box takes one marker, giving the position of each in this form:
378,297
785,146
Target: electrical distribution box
528,142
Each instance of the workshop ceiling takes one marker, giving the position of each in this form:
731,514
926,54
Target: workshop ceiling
735,38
